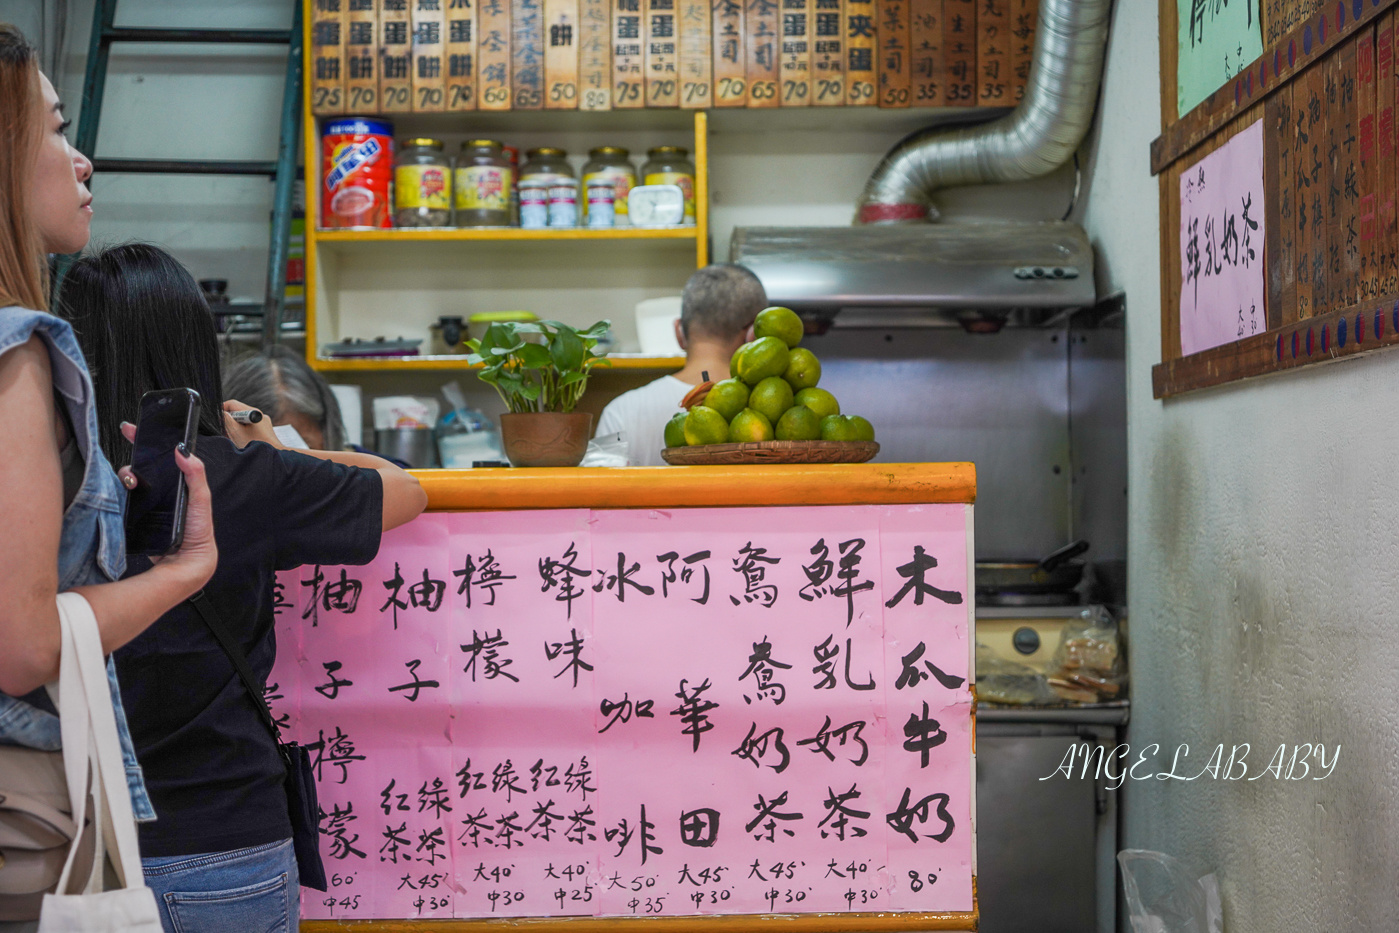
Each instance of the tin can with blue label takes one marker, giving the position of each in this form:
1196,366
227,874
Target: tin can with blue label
357,173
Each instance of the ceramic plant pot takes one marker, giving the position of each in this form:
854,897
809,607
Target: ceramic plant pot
546,439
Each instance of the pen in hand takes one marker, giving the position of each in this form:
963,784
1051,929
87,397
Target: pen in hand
251,416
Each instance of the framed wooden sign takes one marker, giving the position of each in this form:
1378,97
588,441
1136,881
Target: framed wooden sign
1278,230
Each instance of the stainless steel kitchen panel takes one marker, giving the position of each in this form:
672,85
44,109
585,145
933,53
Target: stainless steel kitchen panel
999,401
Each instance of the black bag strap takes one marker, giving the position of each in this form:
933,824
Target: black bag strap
245,672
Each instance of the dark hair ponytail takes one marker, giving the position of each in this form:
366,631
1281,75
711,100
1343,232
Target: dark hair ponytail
143,324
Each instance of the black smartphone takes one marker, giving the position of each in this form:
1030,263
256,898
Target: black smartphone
155,509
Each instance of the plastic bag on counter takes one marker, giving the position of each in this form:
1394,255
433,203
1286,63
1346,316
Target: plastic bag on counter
465,436
1008,683
1088,666
1163,898
607,451
392,412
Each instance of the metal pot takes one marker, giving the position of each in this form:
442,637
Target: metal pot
1055,573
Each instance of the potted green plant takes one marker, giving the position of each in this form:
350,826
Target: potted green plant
541,370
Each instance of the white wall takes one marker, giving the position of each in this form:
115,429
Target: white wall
1264,527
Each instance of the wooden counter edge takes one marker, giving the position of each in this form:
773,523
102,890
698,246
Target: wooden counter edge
699,486
884,922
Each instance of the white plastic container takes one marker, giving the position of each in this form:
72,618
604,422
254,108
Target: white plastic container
655,326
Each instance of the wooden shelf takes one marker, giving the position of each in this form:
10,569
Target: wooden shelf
429,363
500,234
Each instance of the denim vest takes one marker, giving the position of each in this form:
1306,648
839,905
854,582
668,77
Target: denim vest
92,548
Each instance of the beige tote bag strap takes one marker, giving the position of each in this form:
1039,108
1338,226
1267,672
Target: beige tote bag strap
88,722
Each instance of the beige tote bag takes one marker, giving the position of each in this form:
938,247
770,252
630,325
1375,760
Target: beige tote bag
91,749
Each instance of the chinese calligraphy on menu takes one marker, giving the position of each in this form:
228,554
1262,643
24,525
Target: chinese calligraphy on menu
1222,244
639,713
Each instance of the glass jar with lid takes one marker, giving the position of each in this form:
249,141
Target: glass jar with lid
612,163
483,185
671,165
549,162
422,184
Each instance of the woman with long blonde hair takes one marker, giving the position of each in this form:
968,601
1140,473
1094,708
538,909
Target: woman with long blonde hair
61,502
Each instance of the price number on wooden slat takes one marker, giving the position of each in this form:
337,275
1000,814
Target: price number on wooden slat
429,98
861,90
629,92
894,96
327,99
795,91
462,96
563,92
596,99
830,91
528,97
662,92
363,98
959,92
731,89
693,92
496,96
764,90
396,98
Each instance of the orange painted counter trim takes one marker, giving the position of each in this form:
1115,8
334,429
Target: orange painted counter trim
698,486
888,922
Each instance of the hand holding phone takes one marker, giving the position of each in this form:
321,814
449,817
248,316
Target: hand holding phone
155,514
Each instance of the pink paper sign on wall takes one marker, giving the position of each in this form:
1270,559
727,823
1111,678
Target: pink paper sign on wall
1221,245
639,713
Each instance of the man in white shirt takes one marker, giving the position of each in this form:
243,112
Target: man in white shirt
716,310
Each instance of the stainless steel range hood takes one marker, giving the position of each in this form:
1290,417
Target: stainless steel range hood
1029,270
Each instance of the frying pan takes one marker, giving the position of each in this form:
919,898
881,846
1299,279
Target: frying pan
1058,572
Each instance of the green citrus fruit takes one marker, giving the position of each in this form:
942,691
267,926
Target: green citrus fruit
798,423
837,428
705,426
782,323
864,431
750,425
772,397
819,401
728,398
803,369
733,361
675,430
764,357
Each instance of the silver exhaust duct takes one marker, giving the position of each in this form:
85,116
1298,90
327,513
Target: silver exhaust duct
1035,138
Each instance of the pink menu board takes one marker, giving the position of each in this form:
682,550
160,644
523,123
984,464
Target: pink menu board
640,713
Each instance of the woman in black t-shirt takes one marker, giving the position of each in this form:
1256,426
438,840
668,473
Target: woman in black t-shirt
219,856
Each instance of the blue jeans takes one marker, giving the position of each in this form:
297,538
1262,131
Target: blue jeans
252,890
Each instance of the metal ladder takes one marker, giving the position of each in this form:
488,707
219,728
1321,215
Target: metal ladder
283,170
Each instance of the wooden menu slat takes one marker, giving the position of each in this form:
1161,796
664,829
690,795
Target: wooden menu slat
362,57
798,25
628,59
993,53
861,53
527,54
493,55
1387,236
1367,282
959,52
763,55
696,55
1342,237
461,54
594,55
429,50
395,57
828,55
895,76
1024,21
730,54
662,54
328,29
1279,219
925,53
561,29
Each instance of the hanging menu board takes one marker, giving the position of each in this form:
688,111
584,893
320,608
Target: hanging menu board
1277,191
640,713
391,56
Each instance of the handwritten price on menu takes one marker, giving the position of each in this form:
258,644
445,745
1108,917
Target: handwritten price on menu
639,713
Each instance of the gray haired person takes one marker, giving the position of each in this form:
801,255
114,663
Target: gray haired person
280,384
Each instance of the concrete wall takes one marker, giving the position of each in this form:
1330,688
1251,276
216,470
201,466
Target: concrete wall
1262,536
